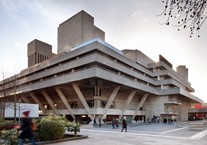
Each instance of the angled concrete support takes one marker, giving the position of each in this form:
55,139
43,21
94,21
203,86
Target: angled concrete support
65,101
129,99
140,104
82,99
23,97
37,101
52,105
111,99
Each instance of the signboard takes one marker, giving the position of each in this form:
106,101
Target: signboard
200,106
197,106
21,107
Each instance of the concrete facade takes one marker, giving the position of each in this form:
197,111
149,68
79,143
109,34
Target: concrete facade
89,78
183,71
38,51
77,30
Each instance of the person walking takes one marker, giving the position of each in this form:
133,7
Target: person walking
99,121
117,123
113,123
94,121
124,124
26,129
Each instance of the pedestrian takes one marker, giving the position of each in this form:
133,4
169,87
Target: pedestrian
26,129
99,121
113,123
117,123
124,124
94,121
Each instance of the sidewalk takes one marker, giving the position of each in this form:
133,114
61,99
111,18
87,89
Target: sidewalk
140,134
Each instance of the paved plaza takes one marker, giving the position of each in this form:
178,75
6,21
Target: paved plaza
140,134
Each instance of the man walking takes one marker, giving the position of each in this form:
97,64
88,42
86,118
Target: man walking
124,124
99,121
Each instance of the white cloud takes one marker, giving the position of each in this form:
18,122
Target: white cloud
134,14
9,6
18,44
50,13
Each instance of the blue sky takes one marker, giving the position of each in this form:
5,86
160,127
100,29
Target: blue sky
128,24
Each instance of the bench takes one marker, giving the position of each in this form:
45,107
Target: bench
197,125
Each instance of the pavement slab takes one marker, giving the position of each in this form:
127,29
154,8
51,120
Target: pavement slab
151,134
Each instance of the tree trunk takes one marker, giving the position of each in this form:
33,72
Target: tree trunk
15,108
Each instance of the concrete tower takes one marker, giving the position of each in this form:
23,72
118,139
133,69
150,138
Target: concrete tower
183,72
38,51
77,30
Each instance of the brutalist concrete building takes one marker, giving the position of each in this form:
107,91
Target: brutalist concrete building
89,78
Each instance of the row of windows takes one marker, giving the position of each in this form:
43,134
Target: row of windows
81,68
40,58
27,76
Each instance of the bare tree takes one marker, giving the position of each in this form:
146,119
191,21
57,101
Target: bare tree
2,102
185,14
9,86
13,87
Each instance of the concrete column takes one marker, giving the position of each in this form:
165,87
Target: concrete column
143,119
82,99
129,99
65,101
140,104
52,105
111,99
97,102
37,101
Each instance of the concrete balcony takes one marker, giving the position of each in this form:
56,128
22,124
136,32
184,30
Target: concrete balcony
172,102
97,111
169,113
194,110
170,91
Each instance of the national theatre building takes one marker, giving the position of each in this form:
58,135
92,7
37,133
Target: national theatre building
89,78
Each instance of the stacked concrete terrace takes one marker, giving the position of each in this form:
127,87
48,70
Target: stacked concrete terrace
90,78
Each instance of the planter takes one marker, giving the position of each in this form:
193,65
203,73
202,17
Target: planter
67,137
